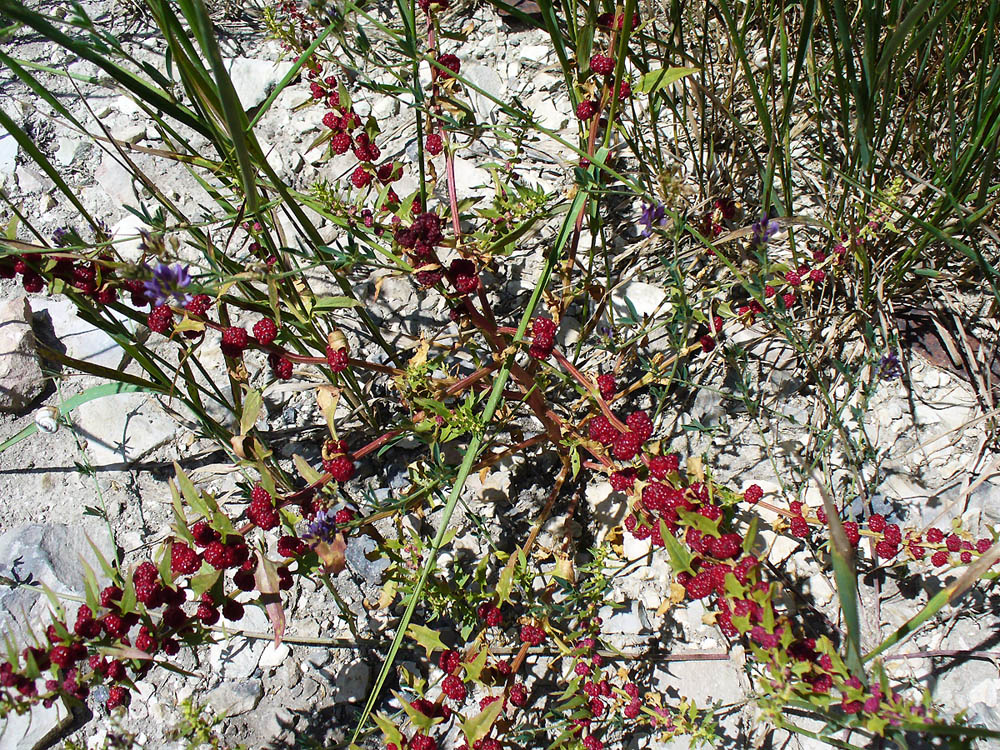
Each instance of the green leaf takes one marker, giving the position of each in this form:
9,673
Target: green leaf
419,719
680,556
57,607
106,568
390,733
204,579
190,492
656,79
252,404
474,668
91,587
479,726
429,639
704,524
751,535
306,471
335,303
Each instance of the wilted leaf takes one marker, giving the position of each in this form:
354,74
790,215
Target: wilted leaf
332,554
266,578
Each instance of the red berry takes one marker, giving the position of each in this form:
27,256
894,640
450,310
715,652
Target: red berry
852,532
449,661
280,366
265,331
623,481
361,177
340,467
340,143
982,545
232,610
203,534
935,536
789,300
421,741
234,341
434,144
160,320
602,65
753,494
876,523
532,634
183,559
626,445
939,558
606,385
518,694
601,430
454,688
219,556
817,275
892,534
640,423
290,546
793,278
886,549
117,696
727,546
451,62
337,359
586,109
953,542
799,527
700,585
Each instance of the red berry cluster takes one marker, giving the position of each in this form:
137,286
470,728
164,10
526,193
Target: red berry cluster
543,338
337,460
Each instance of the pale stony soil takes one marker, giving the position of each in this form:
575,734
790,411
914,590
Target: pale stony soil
935,461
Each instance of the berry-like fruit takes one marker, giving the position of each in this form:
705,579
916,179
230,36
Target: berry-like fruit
532,635
234,340
341,468
183,559
280,366
117,696
953,542
518,694
160,320
265,331
449,661
626,445
434,144
454,688
340,143
799,527
753,494
640,423
586,109
939,558
606,385
337,359
602,65
876,523
452,63
600,429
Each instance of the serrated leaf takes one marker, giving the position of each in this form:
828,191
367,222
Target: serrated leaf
429,639
419,719
204,579
390,733
252,404
474,668
704,524
480,725
680,556
506,582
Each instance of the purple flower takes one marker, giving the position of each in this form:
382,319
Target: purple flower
323,526
889,366
652,214
763,230
167,282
